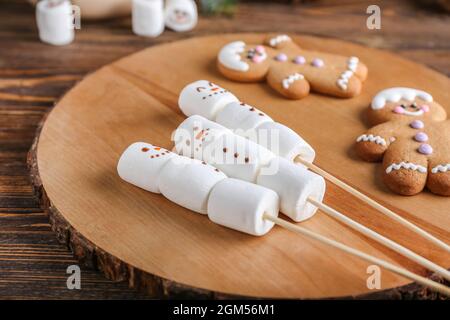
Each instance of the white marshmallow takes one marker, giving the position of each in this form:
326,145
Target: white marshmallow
241,205
240,116
294,185
284,141
189,182
55,22
180,15
204,98
224,108
236,156
148,17
141,165
195,135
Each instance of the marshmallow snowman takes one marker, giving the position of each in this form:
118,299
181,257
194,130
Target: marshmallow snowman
54,20
197,186
180,15
243,159
215,103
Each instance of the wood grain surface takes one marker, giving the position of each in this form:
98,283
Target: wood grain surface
33,76
135,99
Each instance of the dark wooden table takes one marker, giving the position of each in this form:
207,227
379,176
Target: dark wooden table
34,75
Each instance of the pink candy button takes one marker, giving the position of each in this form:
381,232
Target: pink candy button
399,110
318,63
425,148
425,108
258,59
281,57
260,49
416,124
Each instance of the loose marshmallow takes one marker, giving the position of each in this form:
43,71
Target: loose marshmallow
208,141
189,182
180,15
55,22
241,205
294,185
241,116
204,98
284,141
141,165
148,17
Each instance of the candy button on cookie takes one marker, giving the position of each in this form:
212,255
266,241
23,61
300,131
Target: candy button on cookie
425,149
421,137
416,124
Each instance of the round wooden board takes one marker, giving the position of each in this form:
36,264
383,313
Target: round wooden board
136,235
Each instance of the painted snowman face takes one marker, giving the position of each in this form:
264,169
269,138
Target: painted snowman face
204,98
180,17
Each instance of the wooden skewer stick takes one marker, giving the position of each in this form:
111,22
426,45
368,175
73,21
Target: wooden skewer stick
340,246
374,204
381,239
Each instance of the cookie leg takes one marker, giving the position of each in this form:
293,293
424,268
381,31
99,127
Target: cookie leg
438,180
405,170
287,82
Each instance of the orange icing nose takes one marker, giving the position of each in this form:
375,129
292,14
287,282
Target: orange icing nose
157,148
214,89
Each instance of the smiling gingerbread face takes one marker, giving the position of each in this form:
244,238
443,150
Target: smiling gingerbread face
404,103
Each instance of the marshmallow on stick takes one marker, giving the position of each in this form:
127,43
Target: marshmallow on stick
55,22
197,186
243,159
232,203
207,99
198,98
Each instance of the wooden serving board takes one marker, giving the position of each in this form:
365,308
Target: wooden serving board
136,235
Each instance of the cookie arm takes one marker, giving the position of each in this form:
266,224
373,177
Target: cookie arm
371,145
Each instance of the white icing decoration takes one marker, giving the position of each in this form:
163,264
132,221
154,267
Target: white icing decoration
413,113
230,58
406,165
441,168
289,80
278,39
371,138
352,64
398,93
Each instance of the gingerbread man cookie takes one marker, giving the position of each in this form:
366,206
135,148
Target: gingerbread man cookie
412,137
290,70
